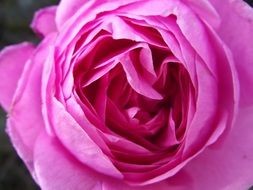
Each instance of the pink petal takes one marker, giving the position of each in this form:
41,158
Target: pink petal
227,165
12,62
49,153
76,14
138,83
67,9
76,8
77,141
198,40
44,21
25,117
205,11
111,184
236,31
55,168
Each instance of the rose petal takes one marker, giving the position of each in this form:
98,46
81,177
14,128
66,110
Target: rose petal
50,160
205,11
211,170
236,31
44,21
77,141
49,153
12,62
138,83
174,184
86,13
67,9
25,117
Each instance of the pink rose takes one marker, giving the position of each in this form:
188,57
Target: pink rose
135,94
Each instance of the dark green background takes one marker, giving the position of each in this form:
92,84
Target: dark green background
15,17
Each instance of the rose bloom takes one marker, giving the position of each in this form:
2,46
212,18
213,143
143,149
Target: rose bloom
134,95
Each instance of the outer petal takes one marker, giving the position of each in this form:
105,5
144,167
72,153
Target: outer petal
205,11
44,21
12,62
55,168
74,138
174,183
236,31
227,166
25,117
67,9
49,153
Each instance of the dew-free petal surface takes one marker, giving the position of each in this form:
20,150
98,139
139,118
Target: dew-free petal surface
12,61
44,21
25,118
236,31
50,160
227,165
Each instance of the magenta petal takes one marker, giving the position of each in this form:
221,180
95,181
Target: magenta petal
181,181
25,118
49,153
67,9
57,169
12,62
138,83
205,10
44,21
116,185
237,34
77,141
227,165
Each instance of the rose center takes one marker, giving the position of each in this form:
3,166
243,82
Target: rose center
134,97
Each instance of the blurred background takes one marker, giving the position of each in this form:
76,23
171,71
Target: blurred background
15,17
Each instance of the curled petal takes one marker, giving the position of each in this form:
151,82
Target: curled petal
211,170
44,21
50,160
237,34
25,118
12,61
49,153
85,149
